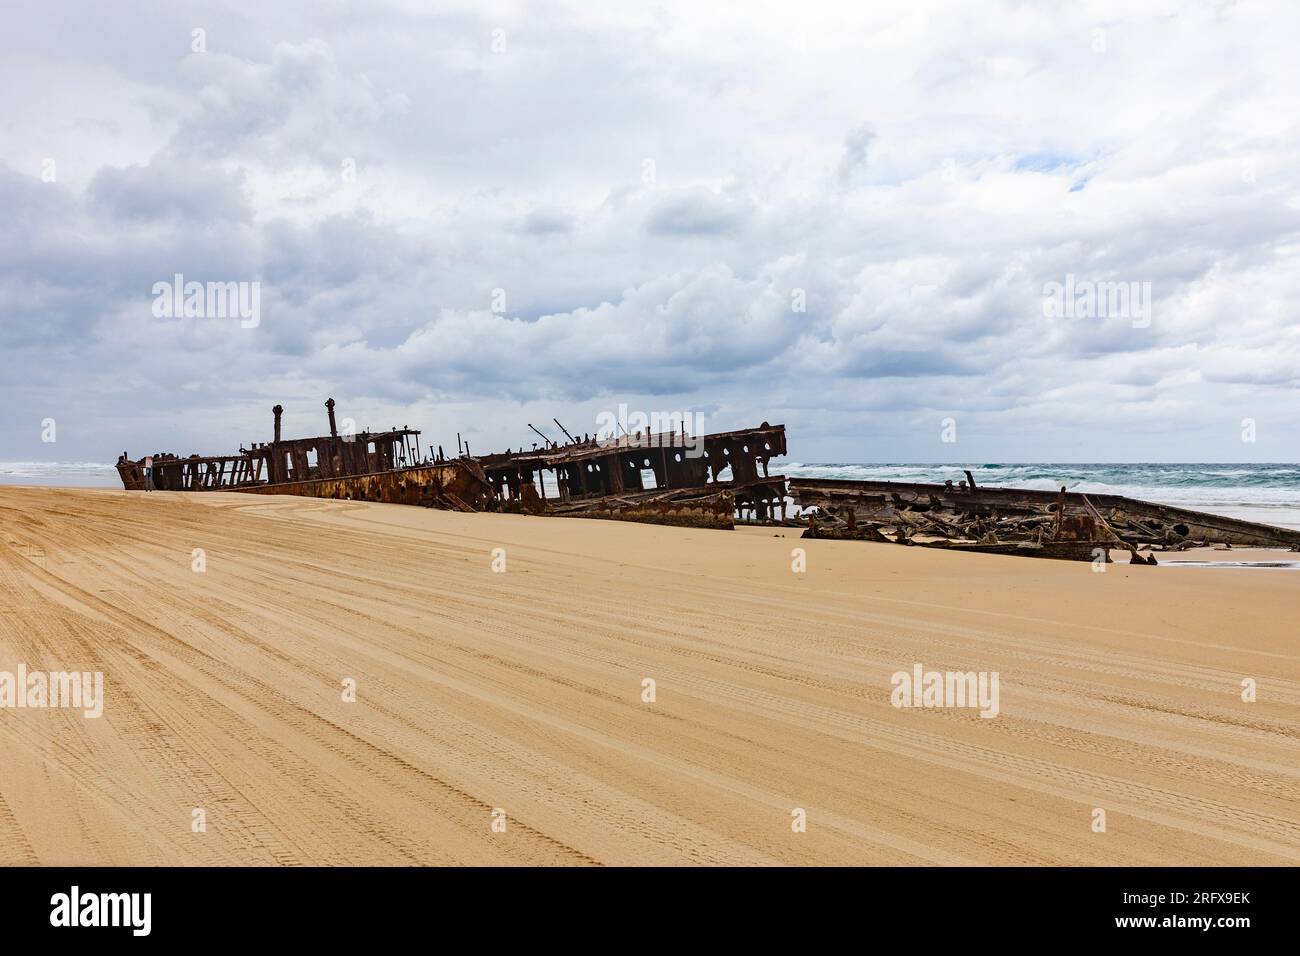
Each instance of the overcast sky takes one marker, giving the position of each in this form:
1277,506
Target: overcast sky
647,194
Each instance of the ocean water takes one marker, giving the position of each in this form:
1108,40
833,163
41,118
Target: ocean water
1268,493
79,474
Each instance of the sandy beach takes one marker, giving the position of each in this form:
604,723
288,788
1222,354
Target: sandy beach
515,697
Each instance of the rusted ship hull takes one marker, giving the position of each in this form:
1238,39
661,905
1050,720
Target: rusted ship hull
701,507
664,478
673,478
707,481
453,485
950,515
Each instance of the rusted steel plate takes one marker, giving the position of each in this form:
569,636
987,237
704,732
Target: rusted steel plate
1136,522
456,484
669,478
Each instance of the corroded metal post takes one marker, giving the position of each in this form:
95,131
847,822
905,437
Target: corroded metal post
277,470
329,407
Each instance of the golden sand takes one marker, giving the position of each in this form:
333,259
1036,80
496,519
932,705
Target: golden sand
522,692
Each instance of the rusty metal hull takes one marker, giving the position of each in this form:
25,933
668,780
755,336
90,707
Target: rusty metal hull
661,478
455,484
1065,549
615,474
1058,550
702,507
1135,521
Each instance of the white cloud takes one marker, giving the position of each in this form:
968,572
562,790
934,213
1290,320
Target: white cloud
918,172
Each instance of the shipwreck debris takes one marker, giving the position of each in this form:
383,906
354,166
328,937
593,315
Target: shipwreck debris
1020,521
365,466
661,478
703,481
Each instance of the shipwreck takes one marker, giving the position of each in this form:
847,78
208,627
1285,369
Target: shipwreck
657,477
698,480
1060,524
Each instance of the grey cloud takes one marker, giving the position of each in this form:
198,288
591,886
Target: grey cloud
300,103
522,171
546,220
200,196
857,146
697,212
